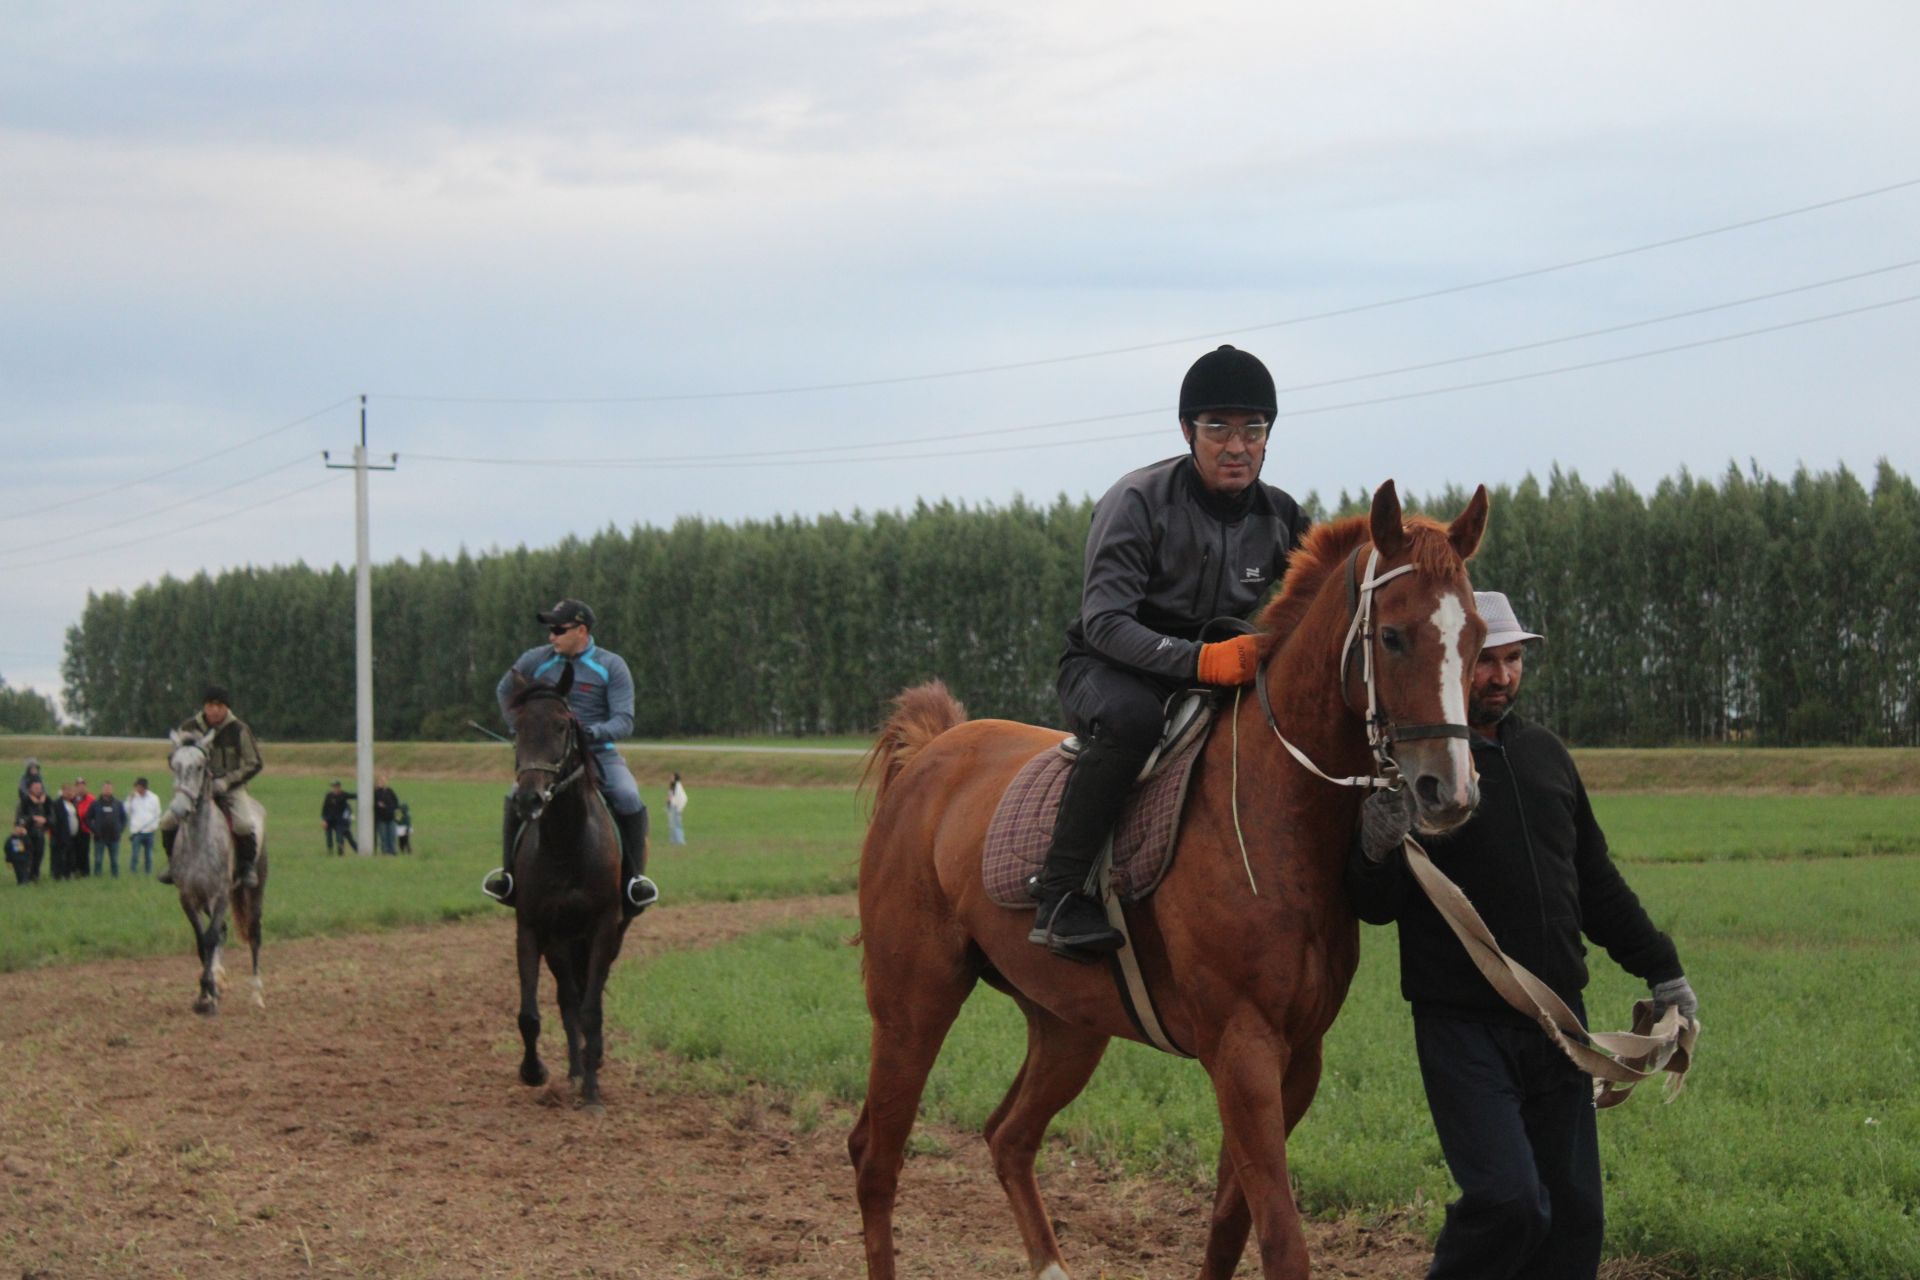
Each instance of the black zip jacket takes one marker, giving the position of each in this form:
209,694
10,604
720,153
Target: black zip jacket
1534,863
1165,556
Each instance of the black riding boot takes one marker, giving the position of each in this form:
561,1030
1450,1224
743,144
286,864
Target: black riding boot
166,848
1069,922
637,893
246,852
498,884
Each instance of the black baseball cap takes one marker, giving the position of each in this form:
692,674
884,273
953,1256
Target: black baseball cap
566,613
216,693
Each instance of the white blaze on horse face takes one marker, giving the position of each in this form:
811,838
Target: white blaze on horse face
1450,619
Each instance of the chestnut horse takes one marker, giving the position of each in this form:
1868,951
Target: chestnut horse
567,879
1248,943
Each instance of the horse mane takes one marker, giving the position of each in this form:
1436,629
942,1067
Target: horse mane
1325,553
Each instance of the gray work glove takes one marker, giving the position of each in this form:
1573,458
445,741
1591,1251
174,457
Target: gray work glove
1678,994
1385,819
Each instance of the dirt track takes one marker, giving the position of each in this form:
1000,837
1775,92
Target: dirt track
368,1123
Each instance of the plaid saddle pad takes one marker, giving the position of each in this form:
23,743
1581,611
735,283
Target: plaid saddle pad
1022,826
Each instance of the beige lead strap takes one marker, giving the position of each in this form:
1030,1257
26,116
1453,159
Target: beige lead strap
1629,1057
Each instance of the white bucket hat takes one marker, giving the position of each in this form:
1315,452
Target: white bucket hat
1503,626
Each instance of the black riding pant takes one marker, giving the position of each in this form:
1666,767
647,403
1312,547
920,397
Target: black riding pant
1516,1122
1122,709
1117,715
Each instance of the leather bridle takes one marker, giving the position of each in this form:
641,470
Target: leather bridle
569,751
1382,733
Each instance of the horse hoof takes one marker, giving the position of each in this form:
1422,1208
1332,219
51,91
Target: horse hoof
206,1008
533,1078
593,1107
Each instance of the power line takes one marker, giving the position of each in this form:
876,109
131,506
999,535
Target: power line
160,511
175,470
762,460
198,524
1381,304
1055,424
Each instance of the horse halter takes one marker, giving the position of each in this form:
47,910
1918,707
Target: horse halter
570,751
1381,732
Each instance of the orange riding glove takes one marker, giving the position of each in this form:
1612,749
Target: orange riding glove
1230,662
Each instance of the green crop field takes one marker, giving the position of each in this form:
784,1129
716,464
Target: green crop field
744,842
1795,1151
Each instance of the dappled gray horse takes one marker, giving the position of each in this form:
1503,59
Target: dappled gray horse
203,872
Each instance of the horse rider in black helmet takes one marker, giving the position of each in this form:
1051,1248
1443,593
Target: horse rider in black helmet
1173,546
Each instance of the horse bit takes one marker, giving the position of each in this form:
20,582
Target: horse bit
1381,733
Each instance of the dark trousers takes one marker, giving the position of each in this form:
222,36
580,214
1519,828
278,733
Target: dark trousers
342,837
1516,1122
1123,709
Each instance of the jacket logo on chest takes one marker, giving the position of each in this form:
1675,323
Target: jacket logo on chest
1251,575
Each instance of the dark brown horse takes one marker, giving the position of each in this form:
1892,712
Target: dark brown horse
1254,1014
567,879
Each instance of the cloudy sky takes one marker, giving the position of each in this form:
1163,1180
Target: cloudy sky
758,257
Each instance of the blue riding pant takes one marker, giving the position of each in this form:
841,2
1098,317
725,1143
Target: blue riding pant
616,782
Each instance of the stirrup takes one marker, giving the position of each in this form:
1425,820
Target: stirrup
642,893
497,874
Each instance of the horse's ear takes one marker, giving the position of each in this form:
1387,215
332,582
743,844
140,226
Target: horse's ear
1389,534
1470,525
566,680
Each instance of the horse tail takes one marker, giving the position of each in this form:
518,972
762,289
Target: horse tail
920,715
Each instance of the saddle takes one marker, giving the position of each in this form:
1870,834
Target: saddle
1143,839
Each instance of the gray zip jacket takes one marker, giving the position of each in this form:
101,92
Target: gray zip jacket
1165,556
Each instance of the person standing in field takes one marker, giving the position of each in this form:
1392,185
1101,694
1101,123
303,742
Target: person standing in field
233,760
403,826
65,834
336,816
676,810
108,818
29,776
143,819
602,700
385,805
1514,1116
1173,546
79,860
37,813
19,852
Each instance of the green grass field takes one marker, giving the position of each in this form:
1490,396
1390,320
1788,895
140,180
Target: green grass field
744,843
1795,1151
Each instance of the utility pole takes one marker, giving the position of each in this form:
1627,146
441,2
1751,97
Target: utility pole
362,633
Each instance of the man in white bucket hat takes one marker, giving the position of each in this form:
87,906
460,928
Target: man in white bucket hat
1514,1116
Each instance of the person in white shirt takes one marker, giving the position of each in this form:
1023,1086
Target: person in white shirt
143,819
676,806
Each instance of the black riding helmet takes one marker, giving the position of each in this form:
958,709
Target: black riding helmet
1227,378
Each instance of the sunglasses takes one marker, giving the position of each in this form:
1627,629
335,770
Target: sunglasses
560,629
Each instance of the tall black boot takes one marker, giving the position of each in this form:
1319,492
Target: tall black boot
166,848
499,882
1069,921
637,892
246,852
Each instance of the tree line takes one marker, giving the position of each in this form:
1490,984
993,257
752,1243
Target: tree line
1754,608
